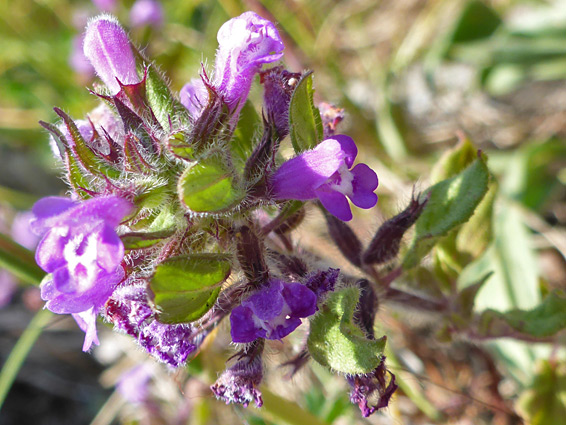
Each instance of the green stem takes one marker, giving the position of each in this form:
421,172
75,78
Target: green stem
279,410
20,352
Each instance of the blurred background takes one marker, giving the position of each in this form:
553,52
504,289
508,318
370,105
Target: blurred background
414,77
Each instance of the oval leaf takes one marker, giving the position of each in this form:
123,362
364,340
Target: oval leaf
336,342
209,187
186,287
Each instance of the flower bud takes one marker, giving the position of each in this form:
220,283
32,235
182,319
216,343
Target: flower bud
344,238
108,49
385,244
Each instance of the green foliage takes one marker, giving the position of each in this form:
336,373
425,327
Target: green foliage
243,139
336,342
19,261
305,124
544,403
451,203
186,287
208,186
161,101
140,240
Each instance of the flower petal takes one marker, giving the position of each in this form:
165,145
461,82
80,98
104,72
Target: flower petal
268,302
348,147
300,176
87,322
365,182
243,328
47,212
300,299
49,253
110,249
336,204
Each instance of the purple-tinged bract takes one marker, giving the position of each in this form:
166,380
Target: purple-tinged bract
146,12
82,252
273,312
326,173
108,49
239,383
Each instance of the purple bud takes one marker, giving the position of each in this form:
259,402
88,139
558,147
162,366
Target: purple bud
105,5
279,85
146,12
108,49
366,308
324,173
239,383
82,252
250,256
273,312
372,386
129,310
385,244
345,239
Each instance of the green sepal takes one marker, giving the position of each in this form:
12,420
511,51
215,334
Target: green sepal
134,159
186,287
209,187
162,102
305,124
141,240
336,342
83,152
243,139
451,203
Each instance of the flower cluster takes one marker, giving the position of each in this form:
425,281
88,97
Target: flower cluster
165,189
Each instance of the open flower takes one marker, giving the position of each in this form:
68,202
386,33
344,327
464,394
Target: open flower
273,312
245,43
326,173
82,252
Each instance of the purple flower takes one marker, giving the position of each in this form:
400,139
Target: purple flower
78,60
279,85
133,385
107,47
238,384
129,310
273,312
194,96
372,388
245,43
82,252
146,12
325,173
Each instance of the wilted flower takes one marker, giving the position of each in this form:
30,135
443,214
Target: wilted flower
133,385
82,251
108,49
146,12
239,383
129,310
273,312
325,173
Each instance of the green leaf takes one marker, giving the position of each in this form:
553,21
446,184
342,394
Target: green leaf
477,22
544,403
454,161
451,203
186,287
245,133
305,124
209,187
140,240
180,147
335,342
19,261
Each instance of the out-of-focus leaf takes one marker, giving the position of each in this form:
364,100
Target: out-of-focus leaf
186,287
336,342
544,403
19,261
478,21
451,203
